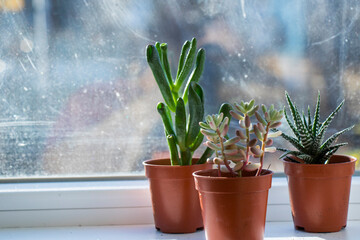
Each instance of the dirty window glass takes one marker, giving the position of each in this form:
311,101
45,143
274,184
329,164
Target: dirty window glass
77,97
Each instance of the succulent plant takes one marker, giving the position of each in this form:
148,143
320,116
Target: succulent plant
183,97
309,135
233,154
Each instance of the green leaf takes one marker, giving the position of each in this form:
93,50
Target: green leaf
204,125
174,155
158,48
184,50
165,64
309,118
196,111
294,142
197,142
232,141
331,139
316,124
240,108
292,126
160,78
207,154
260,118
301,128
288,152
188,64
208,133
161,108
328,120
180,124
197,72
212,145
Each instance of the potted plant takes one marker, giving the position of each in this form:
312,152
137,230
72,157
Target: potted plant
234,196
175,201
319,181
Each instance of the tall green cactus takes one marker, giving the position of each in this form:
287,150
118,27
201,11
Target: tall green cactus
184,100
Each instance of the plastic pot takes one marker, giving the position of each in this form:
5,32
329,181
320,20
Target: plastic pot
319,193
175,201
233,208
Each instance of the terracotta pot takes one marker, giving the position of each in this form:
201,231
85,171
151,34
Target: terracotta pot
233,208
319,193
174,198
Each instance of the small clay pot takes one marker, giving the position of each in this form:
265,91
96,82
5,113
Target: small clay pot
174,198
319,193
233,208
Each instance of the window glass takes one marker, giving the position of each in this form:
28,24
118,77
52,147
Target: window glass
77,97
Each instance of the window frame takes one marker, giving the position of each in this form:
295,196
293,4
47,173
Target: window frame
112,202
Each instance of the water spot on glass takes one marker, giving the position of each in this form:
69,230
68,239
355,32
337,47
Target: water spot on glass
239,54
26,89
2,66
246,76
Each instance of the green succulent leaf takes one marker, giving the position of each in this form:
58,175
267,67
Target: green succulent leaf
292,126
331,139
180,123
316,124
174,155
196,74
288,152
161,108
159,75
294,142
300,126
182,57
197,142
206,154
165,64
196,111
188,64
329,119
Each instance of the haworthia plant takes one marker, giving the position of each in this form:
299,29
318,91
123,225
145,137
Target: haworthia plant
183,106
309,134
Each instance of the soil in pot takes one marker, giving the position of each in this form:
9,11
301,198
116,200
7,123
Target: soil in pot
319,194
175,201
233,208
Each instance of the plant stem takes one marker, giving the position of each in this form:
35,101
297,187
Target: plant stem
263,145
234,174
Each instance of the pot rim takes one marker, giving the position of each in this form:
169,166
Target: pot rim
351,158
195,174
148,164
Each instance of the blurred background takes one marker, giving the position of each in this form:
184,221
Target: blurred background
78,99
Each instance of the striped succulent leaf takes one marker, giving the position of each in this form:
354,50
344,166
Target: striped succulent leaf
310,144
291,125
331,139
316,123
329,119
305,137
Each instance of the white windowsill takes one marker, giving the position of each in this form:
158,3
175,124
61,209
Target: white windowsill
105,203
273,231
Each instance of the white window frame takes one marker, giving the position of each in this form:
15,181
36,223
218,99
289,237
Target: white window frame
116,202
